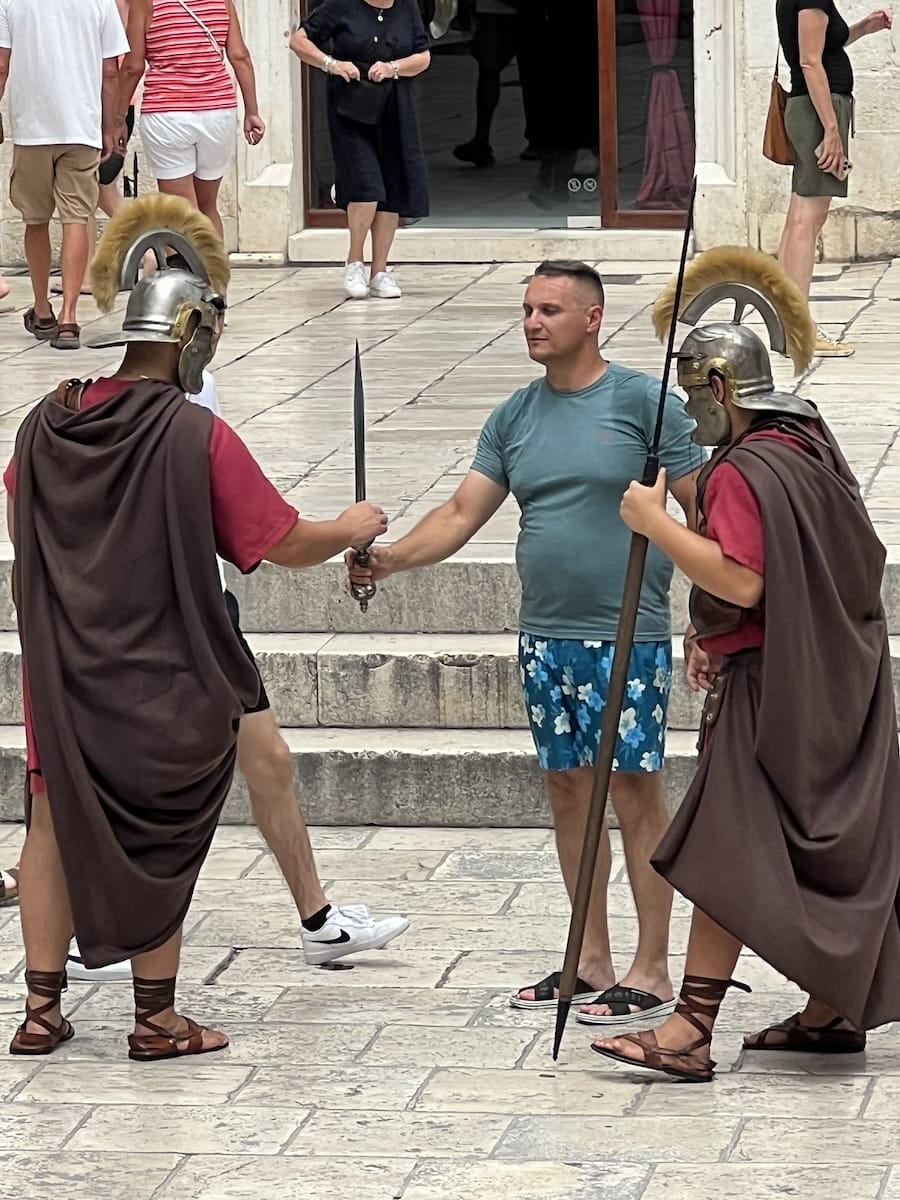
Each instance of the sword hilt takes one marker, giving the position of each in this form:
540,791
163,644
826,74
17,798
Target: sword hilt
363,592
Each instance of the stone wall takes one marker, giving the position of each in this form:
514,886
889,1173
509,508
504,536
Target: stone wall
864,225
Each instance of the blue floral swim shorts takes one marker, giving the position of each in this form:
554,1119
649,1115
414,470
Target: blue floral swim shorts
565,686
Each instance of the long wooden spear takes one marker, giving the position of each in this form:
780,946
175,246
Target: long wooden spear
631,595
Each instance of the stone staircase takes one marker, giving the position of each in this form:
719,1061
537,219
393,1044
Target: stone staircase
409,715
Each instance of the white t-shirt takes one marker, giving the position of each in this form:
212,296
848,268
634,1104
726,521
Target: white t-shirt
57,48
208,396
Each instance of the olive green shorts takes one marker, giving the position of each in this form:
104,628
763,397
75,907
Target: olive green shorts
805,132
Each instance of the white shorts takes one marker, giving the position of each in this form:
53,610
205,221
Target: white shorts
180,144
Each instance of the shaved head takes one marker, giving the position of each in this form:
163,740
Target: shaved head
586,278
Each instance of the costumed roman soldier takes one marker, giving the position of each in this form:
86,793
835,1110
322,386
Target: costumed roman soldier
121,494
788,840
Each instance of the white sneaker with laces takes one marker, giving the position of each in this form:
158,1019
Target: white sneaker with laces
384,286
349,930
79,973
356,285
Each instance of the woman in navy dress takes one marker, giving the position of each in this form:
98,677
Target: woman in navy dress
379,167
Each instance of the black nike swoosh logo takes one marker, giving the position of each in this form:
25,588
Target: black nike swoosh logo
345,937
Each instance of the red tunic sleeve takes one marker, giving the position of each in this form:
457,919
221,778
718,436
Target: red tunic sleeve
249,514
9,476
733,518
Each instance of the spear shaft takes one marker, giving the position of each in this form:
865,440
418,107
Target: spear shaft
615,695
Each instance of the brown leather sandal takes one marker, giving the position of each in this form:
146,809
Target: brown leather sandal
51,985
700,998
152,997
43,328
68,337
798,1038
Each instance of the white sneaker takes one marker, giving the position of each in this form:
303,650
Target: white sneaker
384,287
349,930
355,283
79,973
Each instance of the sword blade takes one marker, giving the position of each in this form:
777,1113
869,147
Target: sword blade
359,430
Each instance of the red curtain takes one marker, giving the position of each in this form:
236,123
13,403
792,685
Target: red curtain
669,146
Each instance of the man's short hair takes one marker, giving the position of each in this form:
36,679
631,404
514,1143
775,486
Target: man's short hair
571,269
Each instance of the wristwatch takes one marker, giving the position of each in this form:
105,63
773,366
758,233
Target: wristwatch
395,69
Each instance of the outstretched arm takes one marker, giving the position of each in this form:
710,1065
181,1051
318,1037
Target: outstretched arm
438,535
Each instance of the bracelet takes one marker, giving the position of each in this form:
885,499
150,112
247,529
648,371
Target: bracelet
395,69
327,63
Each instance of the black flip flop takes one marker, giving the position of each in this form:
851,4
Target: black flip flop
620,1000
545,997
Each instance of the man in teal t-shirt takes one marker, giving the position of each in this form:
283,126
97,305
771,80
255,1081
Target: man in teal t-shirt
567,447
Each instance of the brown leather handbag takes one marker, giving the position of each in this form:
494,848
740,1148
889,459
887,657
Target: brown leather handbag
776,144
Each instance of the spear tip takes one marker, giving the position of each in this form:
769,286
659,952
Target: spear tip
562,1015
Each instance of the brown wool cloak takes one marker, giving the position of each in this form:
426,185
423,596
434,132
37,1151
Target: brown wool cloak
789,836
136,678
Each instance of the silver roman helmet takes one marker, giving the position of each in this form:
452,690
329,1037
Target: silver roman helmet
176,304
751,280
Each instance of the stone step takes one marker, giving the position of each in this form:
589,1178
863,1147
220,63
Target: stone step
393,681
439,777
475,592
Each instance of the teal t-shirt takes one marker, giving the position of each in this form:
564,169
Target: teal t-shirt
567,457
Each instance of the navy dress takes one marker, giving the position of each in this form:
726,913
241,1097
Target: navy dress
382,163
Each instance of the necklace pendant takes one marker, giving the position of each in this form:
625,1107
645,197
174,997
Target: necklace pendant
381,16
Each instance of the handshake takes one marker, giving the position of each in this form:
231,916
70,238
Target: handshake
364,522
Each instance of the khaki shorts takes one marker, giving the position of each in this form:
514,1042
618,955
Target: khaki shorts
805,132
60,178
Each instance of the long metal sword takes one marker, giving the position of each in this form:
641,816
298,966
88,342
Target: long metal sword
631,596
361,592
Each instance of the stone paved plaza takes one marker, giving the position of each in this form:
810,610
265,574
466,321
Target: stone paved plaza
409,1076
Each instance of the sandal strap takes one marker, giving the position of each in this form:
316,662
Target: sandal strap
546,987
50,985
619,1000
152,997
701,997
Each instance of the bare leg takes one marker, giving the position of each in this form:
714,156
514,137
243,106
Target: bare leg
75,254
569,793
43,902
4,288
640,803
183,187
384,230
207,192
806,217
712,954
163,964
265,762
37,252
111,199
360,218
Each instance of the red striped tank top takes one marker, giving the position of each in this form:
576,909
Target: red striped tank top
185,72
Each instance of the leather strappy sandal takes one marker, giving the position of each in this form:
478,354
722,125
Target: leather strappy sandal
791,1035
700,998
50,985
152,997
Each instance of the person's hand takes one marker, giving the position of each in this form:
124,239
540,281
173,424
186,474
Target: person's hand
363,522
831,156
380,71
641,506
701,668
379,567
254,128
878,20
347,71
